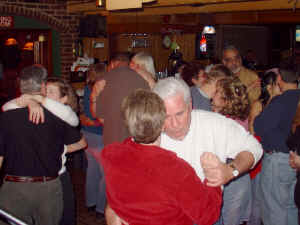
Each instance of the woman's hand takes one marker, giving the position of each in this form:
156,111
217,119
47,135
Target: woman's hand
23,100
294,160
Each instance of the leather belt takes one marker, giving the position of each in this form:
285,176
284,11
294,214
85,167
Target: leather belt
27,179
273,151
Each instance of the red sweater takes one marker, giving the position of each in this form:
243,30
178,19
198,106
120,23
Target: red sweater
150,185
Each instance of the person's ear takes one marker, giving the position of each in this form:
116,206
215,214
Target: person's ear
163,127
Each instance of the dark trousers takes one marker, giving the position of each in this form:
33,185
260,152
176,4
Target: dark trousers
68,217
34,203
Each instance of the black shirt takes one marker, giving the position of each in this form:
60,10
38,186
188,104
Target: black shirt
33,150
274,124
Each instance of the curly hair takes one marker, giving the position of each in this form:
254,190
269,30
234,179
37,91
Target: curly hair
217,72
222,70
235,95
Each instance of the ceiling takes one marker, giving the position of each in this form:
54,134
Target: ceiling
170,7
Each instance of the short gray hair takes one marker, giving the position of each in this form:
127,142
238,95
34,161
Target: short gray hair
172,86
232,48
146,60
32,78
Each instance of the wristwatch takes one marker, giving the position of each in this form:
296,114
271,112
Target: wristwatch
235,171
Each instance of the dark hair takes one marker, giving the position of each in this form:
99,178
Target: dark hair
179,64
190,71
268,78
120,56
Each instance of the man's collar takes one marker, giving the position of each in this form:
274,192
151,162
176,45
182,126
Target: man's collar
203,93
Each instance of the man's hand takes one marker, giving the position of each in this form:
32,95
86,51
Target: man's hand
36,112
294,160
216,172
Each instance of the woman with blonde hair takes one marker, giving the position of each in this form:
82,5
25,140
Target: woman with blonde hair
231,100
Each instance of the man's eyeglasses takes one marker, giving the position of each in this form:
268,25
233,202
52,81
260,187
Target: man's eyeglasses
233,59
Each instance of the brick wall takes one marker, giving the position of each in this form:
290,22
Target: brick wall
53,13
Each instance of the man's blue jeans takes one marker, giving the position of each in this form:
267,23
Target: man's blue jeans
237,201
276,187
255,217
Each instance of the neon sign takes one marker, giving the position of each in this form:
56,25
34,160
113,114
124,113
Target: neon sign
6,21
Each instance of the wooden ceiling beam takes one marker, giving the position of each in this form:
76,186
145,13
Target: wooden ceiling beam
88,8
75,6
265,17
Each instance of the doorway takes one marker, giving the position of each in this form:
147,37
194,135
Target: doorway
20,48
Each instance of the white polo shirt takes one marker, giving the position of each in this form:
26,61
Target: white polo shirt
212,132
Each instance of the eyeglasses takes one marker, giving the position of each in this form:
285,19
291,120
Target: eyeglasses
233,59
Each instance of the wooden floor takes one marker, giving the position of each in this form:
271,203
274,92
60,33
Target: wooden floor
83,216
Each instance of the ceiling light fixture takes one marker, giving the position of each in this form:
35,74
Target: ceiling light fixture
11,41
100,3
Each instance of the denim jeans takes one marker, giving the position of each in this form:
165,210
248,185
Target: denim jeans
33,203
95,182
237,201
276,187
255,217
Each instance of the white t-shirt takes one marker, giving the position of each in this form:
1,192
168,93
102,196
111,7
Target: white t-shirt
212,132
